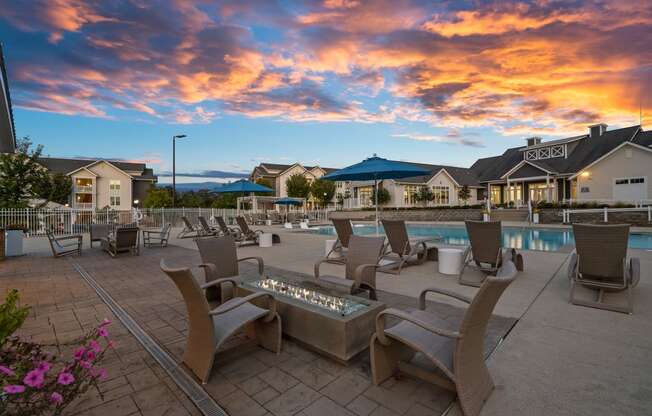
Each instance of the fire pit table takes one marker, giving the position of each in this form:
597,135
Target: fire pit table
328,322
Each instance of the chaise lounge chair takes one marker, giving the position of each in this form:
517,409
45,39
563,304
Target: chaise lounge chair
65,245
486,252
600,262
361,264
122,240
409,251
205,228
249,236
209,329
457,351
344,230
220,260
188,229
157,238
226,230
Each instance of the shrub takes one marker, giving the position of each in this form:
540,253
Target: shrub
12,316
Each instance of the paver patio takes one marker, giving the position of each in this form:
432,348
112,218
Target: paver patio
558,359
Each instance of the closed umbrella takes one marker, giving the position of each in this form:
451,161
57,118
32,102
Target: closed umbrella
375,168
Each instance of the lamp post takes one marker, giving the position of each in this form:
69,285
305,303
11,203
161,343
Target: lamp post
174,167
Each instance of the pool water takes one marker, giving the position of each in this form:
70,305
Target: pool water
524,238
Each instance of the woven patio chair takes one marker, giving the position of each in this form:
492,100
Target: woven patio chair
403,251
344,231
220,260
600,262
226,230
98,232
122,240
361,264
188,229
208,328
157,238
457,351
486,252
65,245
206,229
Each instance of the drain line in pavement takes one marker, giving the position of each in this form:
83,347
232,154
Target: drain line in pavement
202,400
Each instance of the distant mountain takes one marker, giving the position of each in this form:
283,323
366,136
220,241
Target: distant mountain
196,186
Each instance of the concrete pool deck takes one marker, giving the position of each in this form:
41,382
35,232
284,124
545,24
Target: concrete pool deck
558,359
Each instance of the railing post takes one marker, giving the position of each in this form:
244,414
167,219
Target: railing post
649,213
606,219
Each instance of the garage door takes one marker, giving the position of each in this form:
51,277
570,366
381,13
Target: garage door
630,189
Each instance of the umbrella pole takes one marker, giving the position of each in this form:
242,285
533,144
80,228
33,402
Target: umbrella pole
376,201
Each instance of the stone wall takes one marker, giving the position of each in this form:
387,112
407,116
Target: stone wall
554,216
412,214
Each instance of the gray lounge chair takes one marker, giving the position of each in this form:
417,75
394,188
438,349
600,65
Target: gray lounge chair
457,351
98,232
122,240
226,230
600,262
486,252
65,245
402,250
361,264
205,228
220,260
248,235
209,329
158,238
344,231
188,229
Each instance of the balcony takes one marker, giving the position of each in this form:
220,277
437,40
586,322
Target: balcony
83,205
84,189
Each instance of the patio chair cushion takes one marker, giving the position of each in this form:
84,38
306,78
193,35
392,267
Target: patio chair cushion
436,347
226,323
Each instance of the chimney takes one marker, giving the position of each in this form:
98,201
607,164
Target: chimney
597,130
532,141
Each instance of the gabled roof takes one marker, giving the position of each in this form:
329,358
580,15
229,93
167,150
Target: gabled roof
587,150
67,166
276,168
463,176
7,126
604,156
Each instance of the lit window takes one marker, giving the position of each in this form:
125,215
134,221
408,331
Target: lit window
409,193
585,189
441,195
114,185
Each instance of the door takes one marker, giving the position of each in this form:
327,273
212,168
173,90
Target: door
630,189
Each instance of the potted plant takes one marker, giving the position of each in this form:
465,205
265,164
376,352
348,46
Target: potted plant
14,234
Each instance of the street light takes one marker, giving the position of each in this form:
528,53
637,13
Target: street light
174,167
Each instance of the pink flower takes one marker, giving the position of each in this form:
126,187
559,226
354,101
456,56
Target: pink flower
106,322
95,346
13,389
44,366
100,373
65,379
110,344
85,364
6,370
90,355
79,353
34,379
56,398
103,332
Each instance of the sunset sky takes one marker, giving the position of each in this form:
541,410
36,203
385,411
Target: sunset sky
325,82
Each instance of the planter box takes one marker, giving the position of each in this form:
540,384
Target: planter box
535,217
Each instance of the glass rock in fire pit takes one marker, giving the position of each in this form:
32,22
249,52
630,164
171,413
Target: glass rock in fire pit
341,305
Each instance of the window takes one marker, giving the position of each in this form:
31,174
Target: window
114,201
409,193
441,195
585,190
556,151
545,152
114,185
622,181
531,155
114,193
637,180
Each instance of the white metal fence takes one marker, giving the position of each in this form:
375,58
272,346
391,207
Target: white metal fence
566,214
65,221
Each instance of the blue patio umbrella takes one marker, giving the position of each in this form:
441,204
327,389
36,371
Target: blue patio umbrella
289,201
375,168
242,185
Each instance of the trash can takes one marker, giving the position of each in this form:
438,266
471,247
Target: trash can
449,260
265,240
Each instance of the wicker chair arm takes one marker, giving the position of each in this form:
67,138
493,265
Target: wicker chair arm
422,296
318,265
380,325
68,237
241,301
261,263
359,271
209,271
216,282
572,265
634,270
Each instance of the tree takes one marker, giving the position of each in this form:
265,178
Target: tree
21,176
323,191
383,196
464,194
225,201
55,187
266,183
298,186
158,198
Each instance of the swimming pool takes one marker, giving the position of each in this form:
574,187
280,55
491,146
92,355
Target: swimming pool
524,238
